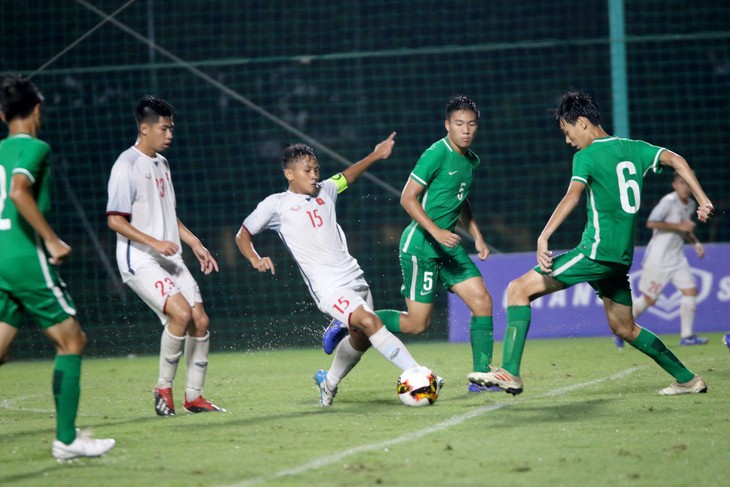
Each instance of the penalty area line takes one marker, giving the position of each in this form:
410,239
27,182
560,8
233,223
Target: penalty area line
327,460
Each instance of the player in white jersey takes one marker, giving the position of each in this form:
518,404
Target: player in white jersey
305,218
664,259
141,209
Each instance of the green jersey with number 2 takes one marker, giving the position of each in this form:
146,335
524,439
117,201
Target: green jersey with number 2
613,171
22,251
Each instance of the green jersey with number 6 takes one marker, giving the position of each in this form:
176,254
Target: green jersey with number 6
613,171
447,177
22,258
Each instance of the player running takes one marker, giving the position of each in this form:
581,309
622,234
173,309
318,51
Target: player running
305,218
141,209
611,171
435,197
31,250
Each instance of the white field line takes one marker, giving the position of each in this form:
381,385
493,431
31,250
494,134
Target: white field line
415,435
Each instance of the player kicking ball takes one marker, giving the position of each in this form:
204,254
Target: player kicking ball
305,218
611,171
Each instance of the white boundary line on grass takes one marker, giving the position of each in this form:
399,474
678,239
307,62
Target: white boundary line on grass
448,423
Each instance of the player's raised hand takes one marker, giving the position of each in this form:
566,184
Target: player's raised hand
165,247
264,264
59,250
385,148
705,212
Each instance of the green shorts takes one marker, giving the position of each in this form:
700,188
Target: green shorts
46,306
421,274
609,279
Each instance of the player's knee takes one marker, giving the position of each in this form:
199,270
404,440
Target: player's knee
516,291
370,324
200,324
413,325
624,330
180,316
482,305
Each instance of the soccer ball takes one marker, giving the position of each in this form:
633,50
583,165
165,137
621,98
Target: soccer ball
418,386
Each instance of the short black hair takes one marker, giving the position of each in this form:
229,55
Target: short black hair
18,97
150,108
461,102
293,152
575,104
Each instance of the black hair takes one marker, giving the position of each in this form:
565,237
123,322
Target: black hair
18,97
461,102
293,152
575,104
150,108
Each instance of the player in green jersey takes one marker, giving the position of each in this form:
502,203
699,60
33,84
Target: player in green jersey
435,197
27,282
610,170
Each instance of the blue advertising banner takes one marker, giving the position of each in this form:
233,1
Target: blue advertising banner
577,311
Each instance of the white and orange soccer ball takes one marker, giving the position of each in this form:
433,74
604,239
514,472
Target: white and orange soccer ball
418,386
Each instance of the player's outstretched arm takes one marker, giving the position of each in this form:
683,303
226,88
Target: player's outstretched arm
564,208
381,151
21,194
705,209
245,245
207,263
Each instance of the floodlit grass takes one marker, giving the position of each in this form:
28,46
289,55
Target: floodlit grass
589,415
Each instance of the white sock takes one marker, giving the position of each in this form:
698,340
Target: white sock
687,308
393,349
346,357
639,306
196,361
171,347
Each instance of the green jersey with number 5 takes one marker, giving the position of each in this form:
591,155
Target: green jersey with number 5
447,177
613,171
22,252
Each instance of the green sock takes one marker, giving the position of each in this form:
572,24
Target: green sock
651,345
390,318
518,323
481,329
66,392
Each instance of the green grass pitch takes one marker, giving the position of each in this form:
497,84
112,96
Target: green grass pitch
589,415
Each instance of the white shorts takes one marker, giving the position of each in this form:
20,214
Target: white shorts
341,303
154,284
652,281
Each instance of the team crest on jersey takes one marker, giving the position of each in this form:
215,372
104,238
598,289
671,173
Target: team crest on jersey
319,201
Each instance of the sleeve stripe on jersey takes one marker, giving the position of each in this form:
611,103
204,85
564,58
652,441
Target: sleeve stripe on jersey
247,230
579,179
20,170
419,180
655,165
